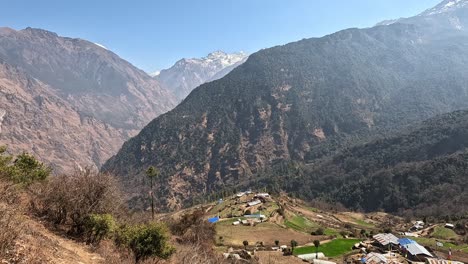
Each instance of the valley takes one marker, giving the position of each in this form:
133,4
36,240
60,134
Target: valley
290,108
349,147
278,220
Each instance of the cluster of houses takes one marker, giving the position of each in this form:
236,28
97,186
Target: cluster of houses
248,219
418,225
388,245
252,219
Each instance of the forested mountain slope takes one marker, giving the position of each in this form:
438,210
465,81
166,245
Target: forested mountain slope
424,169
286,101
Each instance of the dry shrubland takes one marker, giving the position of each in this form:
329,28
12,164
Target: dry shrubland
68,200
10,224
89,206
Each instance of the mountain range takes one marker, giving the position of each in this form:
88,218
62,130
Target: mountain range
69,101
187,74
339,118
302,102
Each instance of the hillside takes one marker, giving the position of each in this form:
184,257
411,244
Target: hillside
285,102
36,120
422,171
105,99
277,219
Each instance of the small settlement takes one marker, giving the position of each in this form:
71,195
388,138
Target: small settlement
250,209
387,248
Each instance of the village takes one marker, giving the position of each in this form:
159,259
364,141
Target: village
255,225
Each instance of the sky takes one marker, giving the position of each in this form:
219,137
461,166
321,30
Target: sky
154,34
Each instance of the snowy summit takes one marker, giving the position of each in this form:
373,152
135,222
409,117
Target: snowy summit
186,74
100,45
446,6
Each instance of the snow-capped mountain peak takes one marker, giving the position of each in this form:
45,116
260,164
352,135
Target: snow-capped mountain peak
187,74
446,6
100,45
154,74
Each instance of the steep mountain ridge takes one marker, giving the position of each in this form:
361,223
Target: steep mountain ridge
285,102
104,100
36,120
94,79
187,74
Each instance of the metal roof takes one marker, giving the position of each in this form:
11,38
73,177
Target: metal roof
375,258
311,256
416,249
385,239
405,241
253,203
213,220
442,261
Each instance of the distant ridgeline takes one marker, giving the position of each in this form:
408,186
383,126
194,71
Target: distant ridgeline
302,103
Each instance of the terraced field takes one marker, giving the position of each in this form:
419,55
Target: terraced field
334,248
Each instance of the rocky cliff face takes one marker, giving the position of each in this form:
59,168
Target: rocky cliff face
188,74
284,103
36,120
71,101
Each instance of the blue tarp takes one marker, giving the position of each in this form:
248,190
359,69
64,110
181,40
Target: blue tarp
405,241
213,220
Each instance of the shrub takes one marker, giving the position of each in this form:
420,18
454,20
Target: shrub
71,199
319,231
344,234
99,226
25,169
245,243
293,244
5,160
363,232
10,222
387,230
10,229
193,228
150,240
280,211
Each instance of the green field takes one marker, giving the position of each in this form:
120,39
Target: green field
331,232
312,209
334,248
431,242
444,233
300,223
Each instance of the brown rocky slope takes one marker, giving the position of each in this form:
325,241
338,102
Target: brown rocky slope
69,101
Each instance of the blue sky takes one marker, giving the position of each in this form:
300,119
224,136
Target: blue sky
153,34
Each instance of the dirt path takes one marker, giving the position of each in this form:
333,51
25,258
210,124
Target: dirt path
37,244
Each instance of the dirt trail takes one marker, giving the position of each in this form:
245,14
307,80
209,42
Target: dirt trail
37,244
